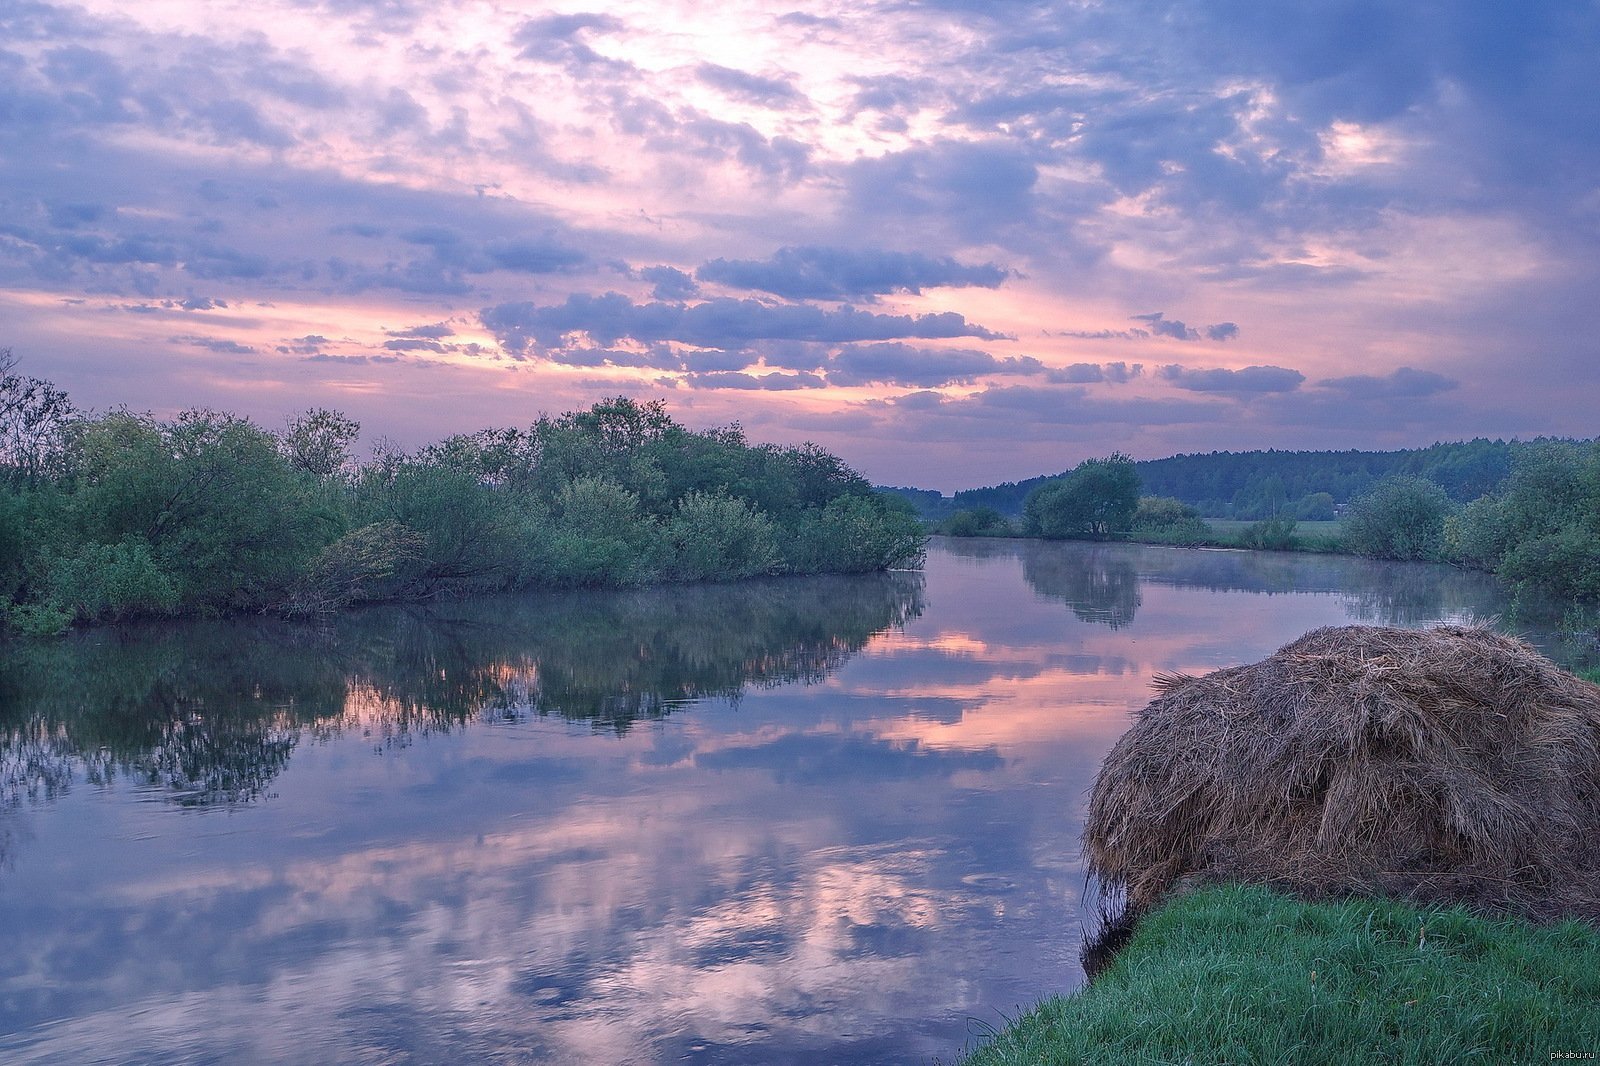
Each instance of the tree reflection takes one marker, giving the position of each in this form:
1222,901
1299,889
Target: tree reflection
1098,582
212,712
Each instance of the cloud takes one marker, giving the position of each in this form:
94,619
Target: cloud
902,364
226,347
718,323
1402,383
670,283
416,344
775,382
559,39
435,331
1091,373
977,188
542,256
1250,379
1161,326
815,273
775,93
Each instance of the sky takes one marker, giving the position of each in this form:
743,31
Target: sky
955,242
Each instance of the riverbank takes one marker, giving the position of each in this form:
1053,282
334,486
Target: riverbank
1244,974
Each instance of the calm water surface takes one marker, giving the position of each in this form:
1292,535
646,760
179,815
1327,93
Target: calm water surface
800,821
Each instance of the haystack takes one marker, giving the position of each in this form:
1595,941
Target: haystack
1446,765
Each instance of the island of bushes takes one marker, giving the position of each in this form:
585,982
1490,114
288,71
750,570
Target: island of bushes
119,515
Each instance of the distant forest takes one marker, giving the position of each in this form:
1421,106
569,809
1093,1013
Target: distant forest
1308,486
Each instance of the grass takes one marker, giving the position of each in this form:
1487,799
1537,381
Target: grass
1228,526
1245,975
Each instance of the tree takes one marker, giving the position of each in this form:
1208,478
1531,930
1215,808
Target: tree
318,442
1170,521
34,416
1402,517
977,522
1098,498
1543,529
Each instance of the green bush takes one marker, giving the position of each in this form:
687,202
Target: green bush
977,522
1541,530
1099,497
123,514
1401,518
718,537
1271,534
38,619
1169,521
599,537
112,581
852,535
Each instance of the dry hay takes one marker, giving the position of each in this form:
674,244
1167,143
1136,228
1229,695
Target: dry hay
1446,765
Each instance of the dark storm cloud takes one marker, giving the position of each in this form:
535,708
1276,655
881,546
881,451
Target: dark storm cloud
719,323
813,273
1403,382
1250,379
775,93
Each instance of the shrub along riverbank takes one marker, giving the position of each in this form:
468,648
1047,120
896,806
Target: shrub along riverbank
123,515
1538,528
1245,975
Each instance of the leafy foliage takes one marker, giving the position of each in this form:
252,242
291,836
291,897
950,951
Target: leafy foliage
123,515
1401,518
1170,521
1543,528
1306,485
977,522
1099,497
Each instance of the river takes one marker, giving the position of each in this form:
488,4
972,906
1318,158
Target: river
812,820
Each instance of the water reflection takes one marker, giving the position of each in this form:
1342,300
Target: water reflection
212,711
1096,581
493,837
1103,582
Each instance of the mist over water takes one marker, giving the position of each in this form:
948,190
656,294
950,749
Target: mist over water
806,820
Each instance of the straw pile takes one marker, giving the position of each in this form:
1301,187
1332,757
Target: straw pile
1448,765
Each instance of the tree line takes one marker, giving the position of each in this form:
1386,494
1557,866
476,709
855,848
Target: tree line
1537,527
118,515
1307,486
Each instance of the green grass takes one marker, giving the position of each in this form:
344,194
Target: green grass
1301,529
1244,975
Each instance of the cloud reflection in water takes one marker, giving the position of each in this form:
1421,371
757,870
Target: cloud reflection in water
788,821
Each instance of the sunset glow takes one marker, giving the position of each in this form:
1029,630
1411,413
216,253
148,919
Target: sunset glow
955,243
